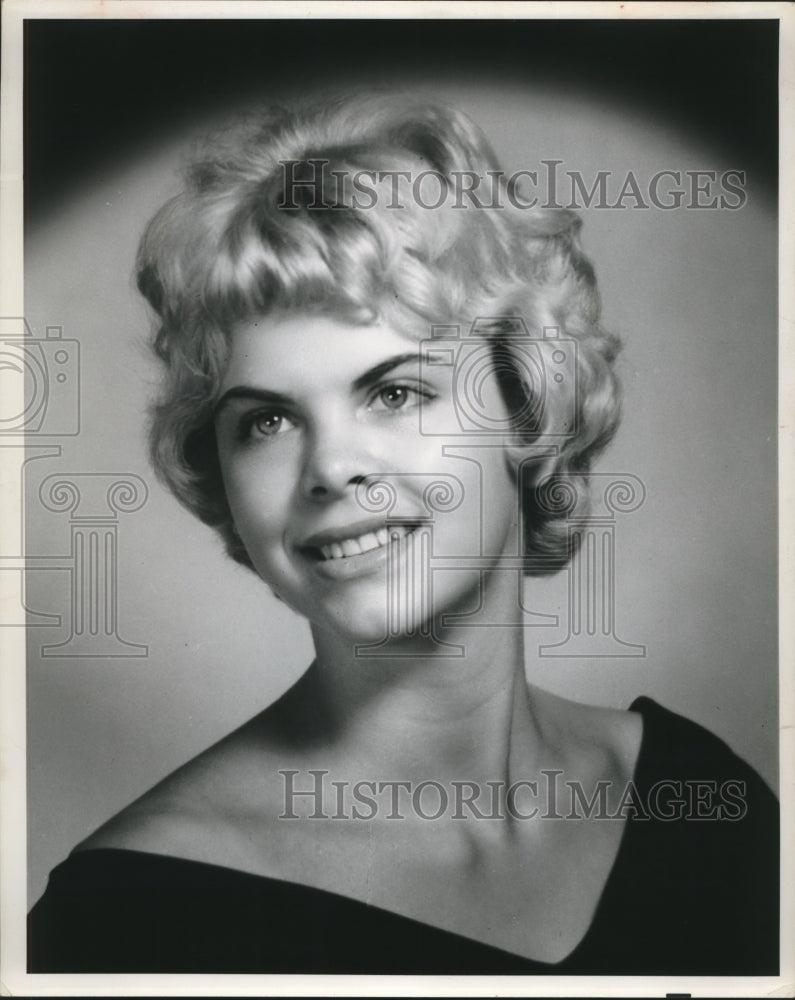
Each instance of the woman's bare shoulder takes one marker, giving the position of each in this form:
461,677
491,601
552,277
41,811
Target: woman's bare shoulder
610,738
206,809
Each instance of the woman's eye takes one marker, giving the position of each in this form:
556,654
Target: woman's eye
396,397
264,424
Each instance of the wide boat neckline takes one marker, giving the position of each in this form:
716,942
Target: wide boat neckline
642,705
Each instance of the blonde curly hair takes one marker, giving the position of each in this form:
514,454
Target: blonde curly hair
236,243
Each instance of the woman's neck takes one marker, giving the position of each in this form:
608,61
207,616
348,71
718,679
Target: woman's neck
416,717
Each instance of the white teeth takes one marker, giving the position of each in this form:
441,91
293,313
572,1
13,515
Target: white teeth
368,541
364,543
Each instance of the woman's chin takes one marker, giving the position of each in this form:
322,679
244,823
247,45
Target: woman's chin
372,627
362,628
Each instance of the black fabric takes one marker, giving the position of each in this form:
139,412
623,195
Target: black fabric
685,897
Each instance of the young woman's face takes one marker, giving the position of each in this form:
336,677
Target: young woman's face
319,419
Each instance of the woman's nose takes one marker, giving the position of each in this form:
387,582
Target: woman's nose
335,461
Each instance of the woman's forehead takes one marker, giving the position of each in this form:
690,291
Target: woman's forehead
309,347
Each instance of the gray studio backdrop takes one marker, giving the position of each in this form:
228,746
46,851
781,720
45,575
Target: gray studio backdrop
194,645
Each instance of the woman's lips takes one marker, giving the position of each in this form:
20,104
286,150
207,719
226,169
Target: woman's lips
355,538
355,546
354,556
353,529
367,542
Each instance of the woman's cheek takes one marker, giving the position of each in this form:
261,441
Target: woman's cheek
256,484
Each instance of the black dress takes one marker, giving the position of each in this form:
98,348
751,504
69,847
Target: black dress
693,895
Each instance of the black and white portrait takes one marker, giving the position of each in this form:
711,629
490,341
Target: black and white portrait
394,410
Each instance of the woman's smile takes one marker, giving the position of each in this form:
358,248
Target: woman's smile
353,540
360,556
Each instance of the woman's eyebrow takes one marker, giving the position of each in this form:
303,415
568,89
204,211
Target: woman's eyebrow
250,392
368,378
383,368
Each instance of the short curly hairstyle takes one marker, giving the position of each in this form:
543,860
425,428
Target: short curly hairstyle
246,237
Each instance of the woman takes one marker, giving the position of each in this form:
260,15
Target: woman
377,389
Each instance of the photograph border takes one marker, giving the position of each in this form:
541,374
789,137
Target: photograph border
14,981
